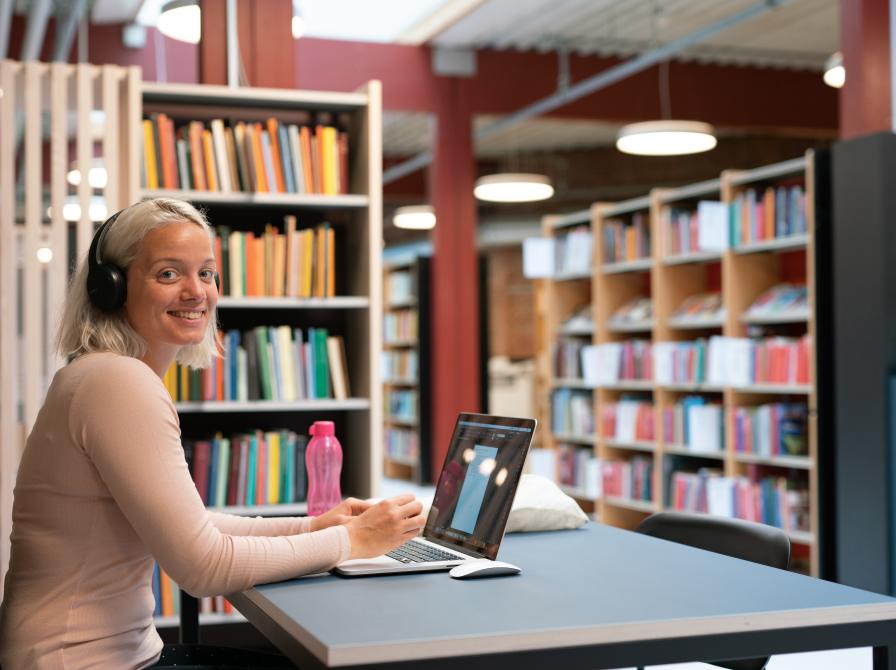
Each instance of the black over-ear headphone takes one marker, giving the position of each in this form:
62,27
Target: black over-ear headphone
107,284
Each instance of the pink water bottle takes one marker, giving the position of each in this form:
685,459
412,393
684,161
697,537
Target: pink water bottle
323,461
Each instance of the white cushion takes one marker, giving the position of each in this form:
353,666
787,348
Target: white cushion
540,505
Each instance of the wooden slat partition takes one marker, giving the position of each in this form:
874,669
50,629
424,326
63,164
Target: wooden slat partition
33,194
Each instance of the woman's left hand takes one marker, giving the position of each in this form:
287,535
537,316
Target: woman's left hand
340,514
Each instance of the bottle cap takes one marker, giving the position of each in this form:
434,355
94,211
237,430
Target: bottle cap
323,428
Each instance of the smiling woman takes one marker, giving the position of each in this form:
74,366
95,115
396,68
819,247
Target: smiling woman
89,517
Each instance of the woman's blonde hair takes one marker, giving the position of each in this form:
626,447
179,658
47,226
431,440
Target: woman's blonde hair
87,329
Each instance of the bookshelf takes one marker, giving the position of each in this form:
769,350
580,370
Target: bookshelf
406,371
351,308
668,296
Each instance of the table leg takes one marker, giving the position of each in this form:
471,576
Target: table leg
885,658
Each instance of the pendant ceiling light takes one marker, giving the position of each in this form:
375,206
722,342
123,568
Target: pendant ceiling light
513,187
414,217
834,72
666,138
181,20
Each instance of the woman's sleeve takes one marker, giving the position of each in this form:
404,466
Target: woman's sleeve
256,525
124,420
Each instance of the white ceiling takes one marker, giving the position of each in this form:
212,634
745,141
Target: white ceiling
799,33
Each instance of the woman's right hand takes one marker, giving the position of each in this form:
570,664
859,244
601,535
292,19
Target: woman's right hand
386,525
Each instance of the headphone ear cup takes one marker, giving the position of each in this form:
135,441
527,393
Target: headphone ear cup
107,286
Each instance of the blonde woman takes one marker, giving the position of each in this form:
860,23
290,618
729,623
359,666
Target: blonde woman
103,488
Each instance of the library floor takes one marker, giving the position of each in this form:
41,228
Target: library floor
844,659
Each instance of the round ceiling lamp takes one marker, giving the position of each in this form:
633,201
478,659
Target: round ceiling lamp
513,187
181,20
414,217
665,138
834,72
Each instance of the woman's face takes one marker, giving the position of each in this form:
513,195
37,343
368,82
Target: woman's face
171,290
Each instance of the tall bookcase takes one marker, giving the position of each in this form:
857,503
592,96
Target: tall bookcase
647,263
355,311
406,371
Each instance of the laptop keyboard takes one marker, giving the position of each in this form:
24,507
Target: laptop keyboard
417,552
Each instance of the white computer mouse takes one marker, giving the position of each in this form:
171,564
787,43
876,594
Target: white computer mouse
482,567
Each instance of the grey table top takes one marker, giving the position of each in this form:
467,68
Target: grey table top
588,586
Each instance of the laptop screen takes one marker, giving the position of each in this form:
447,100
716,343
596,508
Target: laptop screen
478,481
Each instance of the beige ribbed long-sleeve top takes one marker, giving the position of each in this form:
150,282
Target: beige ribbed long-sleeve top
103,488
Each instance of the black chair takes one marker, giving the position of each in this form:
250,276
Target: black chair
749,541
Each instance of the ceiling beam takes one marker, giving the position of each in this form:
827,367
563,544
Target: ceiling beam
600,80
438,21
5,21
66,27
38,17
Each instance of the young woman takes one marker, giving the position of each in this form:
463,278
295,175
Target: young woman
103,488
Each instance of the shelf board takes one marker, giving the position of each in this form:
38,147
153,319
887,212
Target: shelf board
577,493
800,536
571,383
572,276
323,405
684,450
313,201
282,509
700,189
784,316
585,331
339,302
401,344
407,462
695,388
207,619
773,171
258,97
626,207
785,389
800,462
401,420
573,219
777,244
630,326
630,503
629,385
693,257
696,324
639,265
634,445
576,439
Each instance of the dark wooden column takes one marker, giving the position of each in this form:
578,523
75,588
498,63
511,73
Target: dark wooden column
454,274
266,44
865,44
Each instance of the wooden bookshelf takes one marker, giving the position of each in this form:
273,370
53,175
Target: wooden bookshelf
406,438
354,312
739,275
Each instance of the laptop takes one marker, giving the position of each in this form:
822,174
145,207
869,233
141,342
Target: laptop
472,501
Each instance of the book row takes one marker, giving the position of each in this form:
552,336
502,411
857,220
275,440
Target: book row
631,479
779,429
566,356
775,501
401,443
572,412
267,363
773,213
692,230
399,287
400,326
573,251
613,362
579,469
268,157
695,424
255,468
296,264
399,365
401,404
626,240
166,594
628,421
